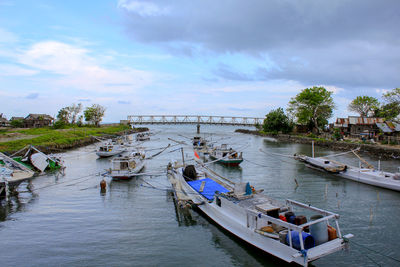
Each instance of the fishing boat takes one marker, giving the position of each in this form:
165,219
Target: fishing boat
126,167
226,156
36,160
12,173
255,218
108,149
141,137
365,173
199,142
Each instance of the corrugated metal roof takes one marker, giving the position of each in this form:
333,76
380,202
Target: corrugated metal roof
364,120
396,126
384,127
342,122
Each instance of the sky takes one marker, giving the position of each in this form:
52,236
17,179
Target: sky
197,57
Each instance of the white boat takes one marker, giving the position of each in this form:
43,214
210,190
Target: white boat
143,137
12,173
226,156
126,167
255,218
199,143
367,175
108,149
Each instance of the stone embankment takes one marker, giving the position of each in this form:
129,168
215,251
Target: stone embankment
57,148
375,149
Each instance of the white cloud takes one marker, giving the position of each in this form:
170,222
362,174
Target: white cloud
144,9
77,69
333,89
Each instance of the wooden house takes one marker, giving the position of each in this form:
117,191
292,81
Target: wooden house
3,121
38,120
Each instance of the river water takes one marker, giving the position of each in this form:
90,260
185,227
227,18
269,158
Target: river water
66,221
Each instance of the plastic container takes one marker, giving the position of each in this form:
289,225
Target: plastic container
308,240
331,233
300,219
282,236
290,216
319,230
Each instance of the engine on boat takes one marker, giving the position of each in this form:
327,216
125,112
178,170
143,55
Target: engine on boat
189,173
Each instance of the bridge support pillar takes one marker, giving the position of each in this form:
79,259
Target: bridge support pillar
198,128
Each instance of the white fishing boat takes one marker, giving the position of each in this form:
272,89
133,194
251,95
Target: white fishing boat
257,219
365,173
199,143
141,137
108,149
126,167
226,156
12,173
35,159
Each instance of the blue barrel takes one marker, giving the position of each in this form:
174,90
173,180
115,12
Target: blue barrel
308,240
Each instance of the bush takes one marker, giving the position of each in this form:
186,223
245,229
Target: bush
59,125
17,123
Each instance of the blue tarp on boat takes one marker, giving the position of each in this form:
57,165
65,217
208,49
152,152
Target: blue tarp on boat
209,189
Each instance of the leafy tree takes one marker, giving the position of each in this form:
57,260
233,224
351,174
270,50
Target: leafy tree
393,96
277,121
94,114
388,111
64,115
364,105
312,107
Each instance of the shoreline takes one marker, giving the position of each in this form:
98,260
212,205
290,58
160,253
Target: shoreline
83,141
375,149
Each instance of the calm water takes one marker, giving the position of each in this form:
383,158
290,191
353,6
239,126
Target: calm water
66,221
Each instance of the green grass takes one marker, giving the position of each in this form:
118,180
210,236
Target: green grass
49,137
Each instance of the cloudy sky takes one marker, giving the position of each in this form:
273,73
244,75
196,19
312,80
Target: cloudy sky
203,57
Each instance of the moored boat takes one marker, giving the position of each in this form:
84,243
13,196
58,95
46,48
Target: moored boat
127,166
141,137
108,149
36,160
367,175
12,173
257,219
226,156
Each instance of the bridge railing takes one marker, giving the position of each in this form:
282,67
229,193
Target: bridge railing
193,119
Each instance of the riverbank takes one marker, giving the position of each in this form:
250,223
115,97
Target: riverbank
384,151
49,140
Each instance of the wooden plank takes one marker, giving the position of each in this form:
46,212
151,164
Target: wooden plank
203,183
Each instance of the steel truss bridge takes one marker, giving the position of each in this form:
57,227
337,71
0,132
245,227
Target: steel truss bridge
194,119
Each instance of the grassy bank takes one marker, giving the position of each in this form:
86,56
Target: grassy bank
50,139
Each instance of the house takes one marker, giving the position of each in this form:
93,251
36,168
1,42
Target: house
359,126
3,121
37,120
17,119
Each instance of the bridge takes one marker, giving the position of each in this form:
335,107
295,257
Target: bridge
194,119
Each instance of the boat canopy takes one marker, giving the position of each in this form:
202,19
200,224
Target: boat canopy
209,187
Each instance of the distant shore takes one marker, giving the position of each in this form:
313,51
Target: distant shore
50,140
375,149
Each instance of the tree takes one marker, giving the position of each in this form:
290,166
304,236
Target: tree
74,111
388,111
393,96
312,107
17,123
64,115
277,121
94,114
364,105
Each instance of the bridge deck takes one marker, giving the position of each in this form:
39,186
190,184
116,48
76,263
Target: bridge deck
194,119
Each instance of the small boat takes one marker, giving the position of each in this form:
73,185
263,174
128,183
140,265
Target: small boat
12,173
126,167
365,173
226,156
36,160
257,219
108,149
322,163
143,137
199,143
